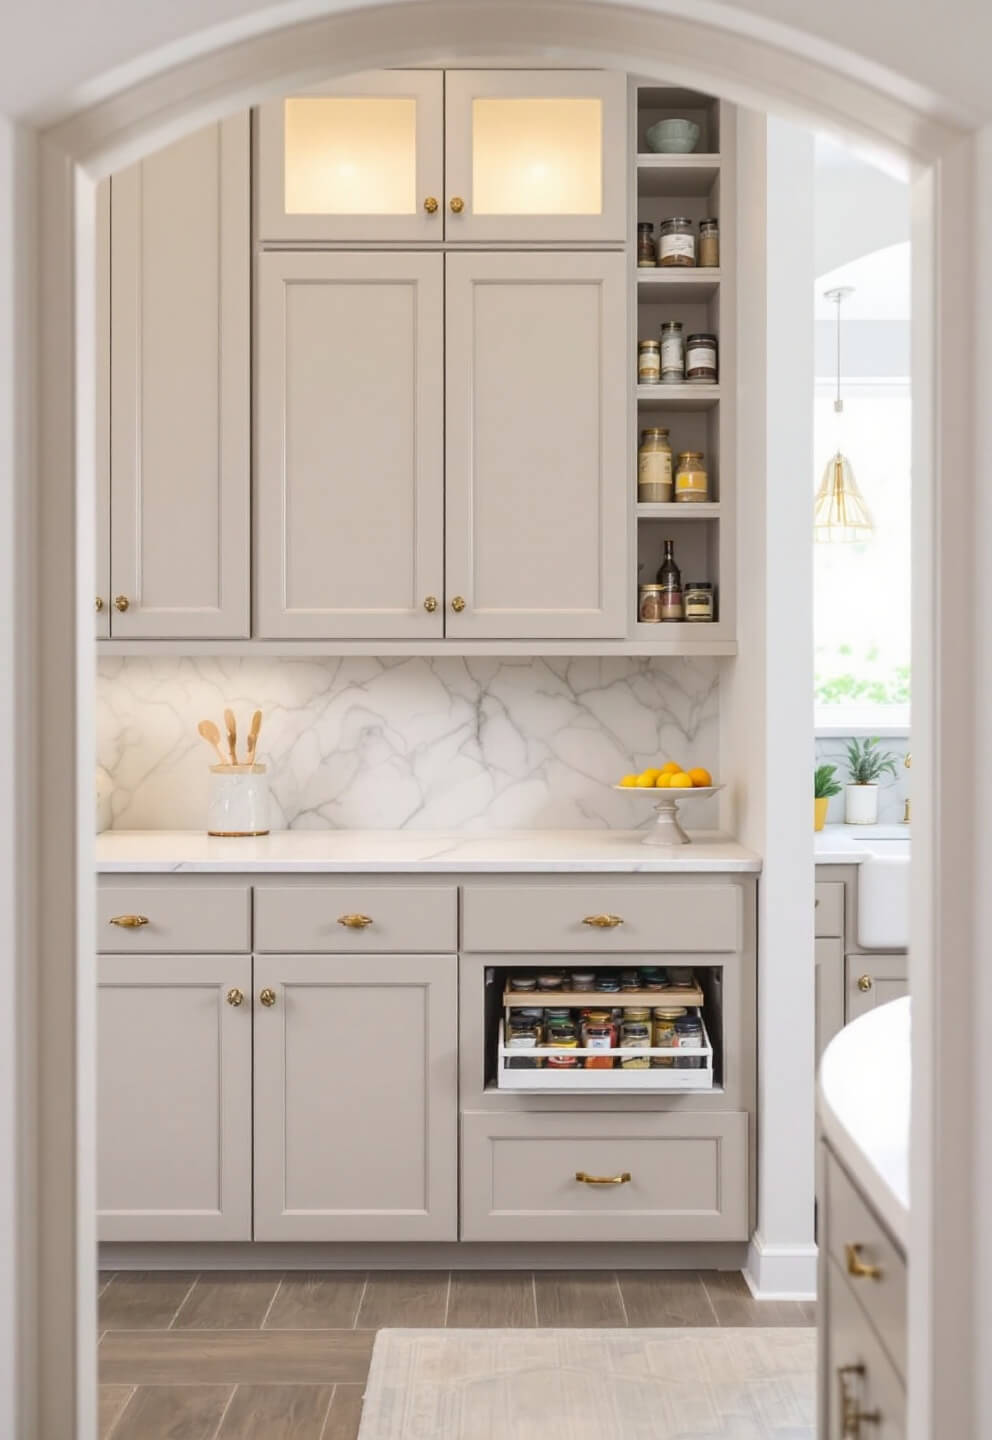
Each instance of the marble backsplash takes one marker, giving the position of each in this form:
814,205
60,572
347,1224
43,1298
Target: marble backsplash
409,743
892,791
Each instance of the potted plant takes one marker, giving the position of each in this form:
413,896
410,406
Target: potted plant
825,787
865,763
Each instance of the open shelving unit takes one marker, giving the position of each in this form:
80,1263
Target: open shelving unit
699,417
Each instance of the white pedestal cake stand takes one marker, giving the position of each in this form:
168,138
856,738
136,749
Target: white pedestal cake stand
667,830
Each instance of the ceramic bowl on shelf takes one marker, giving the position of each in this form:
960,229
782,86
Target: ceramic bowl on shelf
673,137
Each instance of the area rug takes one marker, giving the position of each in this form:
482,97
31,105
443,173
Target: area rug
698,1384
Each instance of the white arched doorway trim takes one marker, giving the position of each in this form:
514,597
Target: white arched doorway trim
947,657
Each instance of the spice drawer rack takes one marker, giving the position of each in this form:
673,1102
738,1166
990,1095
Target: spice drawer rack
600,1082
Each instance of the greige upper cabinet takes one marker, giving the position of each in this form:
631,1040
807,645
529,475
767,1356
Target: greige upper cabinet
360,159
180,389
535,155
349,480
174,1097
356,1097
536,416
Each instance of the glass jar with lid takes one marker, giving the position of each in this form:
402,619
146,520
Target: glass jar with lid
648,362
672,353
677,242
654,468
692,482
645,245
699,607
700,359
709,244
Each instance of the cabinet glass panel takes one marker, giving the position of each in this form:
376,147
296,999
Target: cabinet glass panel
537,156
354,155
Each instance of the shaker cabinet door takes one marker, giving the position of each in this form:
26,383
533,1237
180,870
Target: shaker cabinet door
174,1097
180,389
349,467
875,980
356,1097
829,964
536,436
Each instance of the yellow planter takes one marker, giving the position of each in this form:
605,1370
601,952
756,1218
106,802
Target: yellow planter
820,812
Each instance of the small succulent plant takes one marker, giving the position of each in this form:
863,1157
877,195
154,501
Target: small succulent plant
866,763
825,786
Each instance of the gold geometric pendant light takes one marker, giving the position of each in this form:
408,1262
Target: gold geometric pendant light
840,514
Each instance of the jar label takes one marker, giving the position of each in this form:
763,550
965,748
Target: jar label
671,353
649,370
702,357
692,482
683,245
654,467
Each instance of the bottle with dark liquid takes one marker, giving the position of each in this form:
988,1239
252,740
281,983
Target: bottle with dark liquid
670,580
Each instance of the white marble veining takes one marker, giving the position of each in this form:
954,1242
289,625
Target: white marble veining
397,851
863,1102
893,790
409,743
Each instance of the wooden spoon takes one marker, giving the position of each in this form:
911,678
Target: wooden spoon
256,725
211,734
232,735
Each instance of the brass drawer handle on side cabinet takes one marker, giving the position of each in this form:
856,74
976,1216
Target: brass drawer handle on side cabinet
603,922
355,922
129,922
859,1268
851,1416
623,1179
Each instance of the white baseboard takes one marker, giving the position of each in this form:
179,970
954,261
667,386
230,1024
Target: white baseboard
780,1272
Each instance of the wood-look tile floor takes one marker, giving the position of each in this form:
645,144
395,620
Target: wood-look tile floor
236,1355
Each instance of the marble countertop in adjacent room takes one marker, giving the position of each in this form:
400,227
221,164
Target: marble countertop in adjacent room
414,851
844,844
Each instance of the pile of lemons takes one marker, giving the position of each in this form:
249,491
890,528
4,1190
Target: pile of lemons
669,777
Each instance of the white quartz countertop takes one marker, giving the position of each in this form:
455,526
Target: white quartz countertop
413,851
863,1101
844,844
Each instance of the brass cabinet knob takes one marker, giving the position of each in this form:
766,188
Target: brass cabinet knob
121,603
267,997
858,1267
458,604
99,603
603,922
430,205
355,922
129,922
621,1179
456,204
864,983
235,997
430,604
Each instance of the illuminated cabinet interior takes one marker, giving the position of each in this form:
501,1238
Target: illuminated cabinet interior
537,156
354,155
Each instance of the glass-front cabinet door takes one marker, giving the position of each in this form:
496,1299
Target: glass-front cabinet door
360,159
535,155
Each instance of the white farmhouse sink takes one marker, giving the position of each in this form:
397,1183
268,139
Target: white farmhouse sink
883,888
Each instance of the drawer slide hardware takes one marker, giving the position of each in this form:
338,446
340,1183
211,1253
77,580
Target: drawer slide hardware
584,1179
355,922
859,1268
129,922
851,1417
603,922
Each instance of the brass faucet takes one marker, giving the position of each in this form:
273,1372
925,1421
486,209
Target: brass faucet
908,762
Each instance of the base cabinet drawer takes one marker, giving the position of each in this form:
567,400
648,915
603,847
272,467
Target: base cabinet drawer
874,1269
357,919
173,918
860,1381
604,1176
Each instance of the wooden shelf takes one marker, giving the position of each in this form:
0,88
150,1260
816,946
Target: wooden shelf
698,510
603,1000
678,397
676,174
664,283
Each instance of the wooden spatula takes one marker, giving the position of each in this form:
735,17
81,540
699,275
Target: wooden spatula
256,725
232,735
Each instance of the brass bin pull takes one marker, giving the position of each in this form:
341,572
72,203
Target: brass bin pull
129,922
355,922
584,1179
267,997
235,997
603,922
859,1268
852,1417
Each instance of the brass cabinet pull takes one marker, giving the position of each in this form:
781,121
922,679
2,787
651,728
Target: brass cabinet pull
584,1179
603,922
864,983
430,604
235,997
121,603
129,922
458,604
430,205
99,603
851,1416
858,1267
267,997
355,922
456,204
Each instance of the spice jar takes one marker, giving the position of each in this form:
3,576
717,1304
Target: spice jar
599,1033
700,359
665,1034
583,980
636,1014
551,981
709,244
698,600
649,604
677,243
672,353
645,245
648,362
692,483
654,468
523,1037
635,1036
689,1035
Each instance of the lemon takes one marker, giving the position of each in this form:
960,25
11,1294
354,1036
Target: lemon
663,782
629,780
652,772
671,768
646,781
680,781
700,777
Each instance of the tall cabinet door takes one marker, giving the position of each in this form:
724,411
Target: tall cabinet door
356,1097
180,389
537,487
174,1097
362,159
349,476
101,395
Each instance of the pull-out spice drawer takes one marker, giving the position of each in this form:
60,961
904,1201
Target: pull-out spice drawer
873,1267
828,915
173,919
355,918
673,1176
604,918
